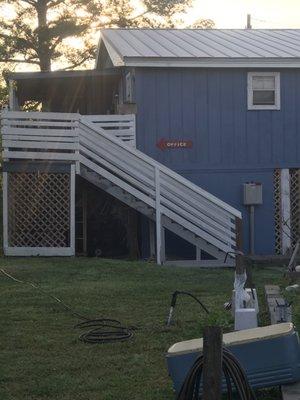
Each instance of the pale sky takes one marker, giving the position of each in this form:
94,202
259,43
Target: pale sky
265,13
227,14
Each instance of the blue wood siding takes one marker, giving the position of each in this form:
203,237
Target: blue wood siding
231,145
210,108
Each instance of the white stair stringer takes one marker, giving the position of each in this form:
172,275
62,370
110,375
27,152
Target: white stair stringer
149,212
144,209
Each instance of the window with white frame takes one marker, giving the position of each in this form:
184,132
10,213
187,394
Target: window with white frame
263,91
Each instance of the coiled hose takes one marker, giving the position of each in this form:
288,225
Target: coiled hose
99,330
235,377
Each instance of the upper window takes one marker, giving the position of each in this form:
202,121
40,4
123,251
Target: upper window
263,91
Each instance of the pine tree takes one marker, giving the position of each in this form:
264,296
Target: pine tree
42,32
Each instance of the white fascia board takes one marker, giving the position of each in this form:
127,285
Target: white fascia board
114,55
212,62
98,52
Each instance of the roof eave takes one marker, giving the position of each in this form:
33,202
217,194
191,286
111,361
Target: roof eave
60,74
212,62
115,56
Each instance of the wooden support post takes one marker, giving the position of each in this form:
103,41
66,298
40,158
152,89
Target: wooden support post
84,220
13,100
158,216
212,363
151,238
239,264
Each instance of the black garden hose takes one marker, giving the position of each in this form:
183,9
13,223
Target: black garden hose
104,331
173,303
235,378
99,330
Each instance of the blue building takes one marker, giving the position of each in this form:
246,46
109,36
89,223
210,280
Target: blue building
235,94
218,107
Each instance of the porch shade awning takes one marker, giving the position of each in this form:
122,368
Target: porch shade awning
87,92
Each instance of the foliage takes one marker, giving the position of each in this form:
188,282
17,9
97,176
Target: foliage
42,357
3,94
41,33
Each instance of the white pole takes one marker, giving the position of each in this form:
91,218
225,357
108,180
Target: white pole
158,215
72,208
5,212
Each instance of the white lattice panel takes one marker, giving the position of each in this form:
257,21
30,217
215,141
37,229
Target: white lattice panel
38,209
287,226
295,205
277,215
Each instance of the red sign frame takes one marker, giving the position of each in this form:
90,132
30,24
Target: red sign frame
171,144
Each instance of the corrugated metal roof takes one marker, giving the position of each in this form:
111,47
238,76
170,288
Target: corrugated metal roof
194,47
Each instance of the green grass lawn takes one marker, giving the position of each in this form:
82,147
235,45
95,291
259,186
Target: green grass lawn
42,358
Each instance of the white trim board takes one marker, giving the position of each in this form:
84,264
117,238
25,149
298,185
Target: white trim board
39,251
211,62
200,263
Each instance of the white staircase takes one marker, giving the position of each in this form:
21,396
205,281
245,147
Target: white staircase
165,197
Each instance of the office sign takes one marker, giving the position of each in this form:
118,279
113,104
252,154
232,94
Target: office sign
172,144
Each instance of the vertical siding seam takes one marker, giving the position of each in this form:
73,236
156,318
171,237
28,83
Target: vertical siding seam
195,138
155,106
207,119
169,109
181,110
297,84
247,118
219,158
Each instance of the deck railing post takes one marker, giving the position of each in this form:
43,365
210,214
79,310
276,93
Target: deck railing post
72,208
77,162
5,211
158,216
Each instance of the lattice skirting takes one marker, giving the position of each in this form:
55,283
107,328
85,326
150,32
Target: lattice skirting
39,213
295,204
277,215
287,210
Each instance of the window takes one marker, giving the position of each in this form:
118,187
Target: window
263,91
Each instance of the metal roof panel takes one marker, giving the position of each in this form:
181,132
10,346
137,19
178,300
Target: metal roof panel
176,45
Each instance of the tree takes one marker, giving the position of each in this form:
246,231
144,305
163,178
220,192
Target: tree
41,32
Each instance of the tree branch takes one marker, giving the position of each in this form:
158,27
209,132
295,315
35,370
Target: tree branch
77,64
31,2
14,60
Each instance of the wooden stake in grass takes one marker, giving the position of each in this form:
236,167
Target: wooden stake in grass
212,363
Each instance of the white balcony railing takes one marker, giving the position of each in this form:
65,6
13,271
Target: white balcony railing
94,142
